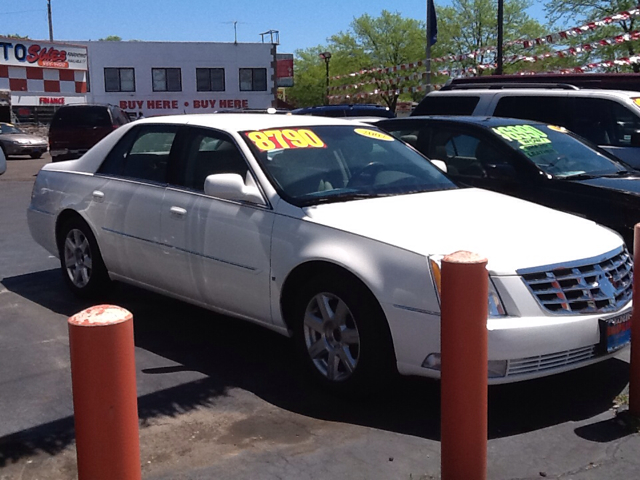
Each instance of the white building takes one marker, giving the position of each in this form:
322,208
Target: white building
144,78
159,78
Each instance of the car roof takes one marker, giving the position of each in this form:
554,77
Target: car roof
578,92
344,106
237,122
482,121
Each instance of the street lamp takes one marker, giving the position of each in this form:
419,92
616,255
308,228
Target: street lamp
326,56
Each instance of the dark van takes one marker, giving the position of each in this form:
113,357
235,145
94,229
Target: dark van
75,129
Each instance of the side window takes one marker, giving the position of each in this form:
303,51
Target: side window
447,105
592,119
207,152
625,122
464,153
142,154
548,109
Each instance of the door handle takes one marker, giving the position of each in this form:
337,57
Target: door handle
98,196
178,211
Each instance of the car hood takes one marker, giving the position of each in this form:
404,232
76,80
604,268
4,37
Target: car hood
31,139
630,185
511,233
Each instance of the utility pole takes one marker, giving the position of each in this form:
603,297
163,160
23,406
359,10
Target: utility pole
432,34
326,56
50,21
498,70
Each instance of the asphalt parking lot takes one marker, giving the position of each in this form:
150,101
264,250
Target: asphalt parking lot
224,399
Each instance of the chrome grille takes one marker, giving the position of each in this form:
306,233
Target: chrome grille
598,286
550,361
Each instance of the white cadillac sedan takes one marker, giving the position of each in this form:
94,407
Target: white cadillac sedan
331,232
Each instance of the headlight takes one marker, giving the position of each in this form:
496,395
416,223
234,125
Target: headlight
19,142
496,308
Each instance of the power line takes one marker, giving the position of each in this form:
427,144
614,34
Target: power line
22,11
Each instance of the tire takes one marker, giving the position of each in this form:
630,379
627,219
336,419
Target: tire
35,155
82,266
342,336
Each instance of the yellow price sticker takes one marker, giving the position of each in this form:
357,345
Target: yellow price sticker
266,140
365,132
556,128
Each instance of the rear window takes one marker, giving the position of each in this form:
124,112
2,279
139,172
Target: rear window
447,105
82,117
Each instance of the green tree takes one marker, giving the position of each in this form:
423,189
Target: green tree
470,27
111,38
371,42
15,35
575,13
388,40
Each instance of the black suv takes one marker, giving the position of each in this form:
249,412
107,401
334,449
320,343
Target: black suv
351,110
75,129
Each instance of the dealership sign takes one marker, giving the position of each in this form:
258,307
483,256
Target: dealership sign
284,69
29,53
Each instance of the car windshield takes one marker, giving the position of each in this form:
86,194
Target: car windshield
8,128
557,152
321,164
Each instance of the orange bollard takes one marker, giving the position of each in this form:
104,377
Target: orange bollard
634,370
464,391
104,394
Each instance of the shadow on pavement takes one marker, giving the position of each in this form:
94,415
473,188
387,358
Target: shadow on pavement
237,354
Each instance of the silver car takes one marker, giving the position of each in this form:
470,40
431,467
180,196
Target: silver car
15,141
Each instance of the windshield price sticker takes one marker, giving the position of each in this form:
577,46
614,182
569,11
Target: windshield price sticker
538,150
266,140
525,135
556,128
365,132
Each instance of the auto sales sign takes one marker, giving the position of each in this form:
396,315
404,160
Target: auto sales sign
32,53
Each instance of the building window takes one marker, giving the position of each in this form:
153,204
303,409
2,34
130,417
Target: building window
119,80
210,79
253,79
166,80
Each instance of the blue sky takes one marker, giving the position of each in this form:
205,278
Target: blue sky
301,23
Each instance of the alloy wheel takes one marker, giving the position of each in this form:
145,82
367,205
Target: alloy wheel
331,336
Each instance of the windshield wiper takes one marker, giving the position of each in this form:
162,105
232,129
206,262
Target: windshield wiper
587,176
345,197
621,173
579,176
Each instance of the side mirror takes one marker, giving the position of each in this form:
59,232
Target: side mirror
3,162
231,186
635,139
440,164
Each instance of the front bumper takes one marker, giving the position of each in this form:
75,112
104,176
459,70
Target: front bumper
16,149
519,347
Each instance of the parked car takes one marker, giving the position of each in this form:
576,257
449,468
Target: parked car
330,231
75,129
538,162
346,110
15,141
608,118
606,81
3,162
